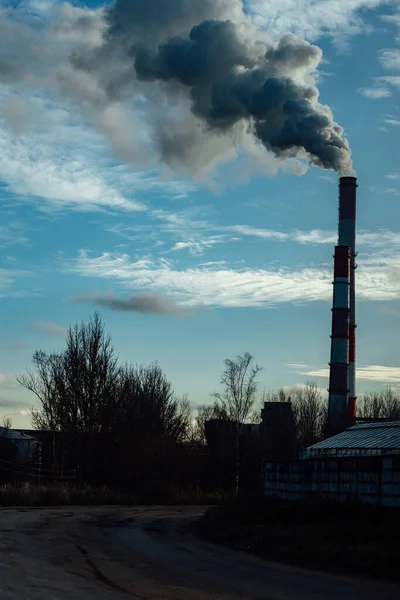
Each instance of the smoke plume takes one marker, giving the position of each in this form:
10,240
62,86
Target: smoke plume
189,79
144,303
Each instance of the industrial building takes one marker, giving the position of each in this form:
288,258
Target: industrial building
361,464
19,455
357,462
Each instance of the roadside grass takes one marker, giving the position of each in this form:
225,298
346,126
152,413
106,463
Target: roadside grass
64,494
351,539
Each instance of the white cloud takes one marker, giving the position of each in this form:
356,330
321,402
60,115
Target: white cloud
376,373
390,120
213,286
381,238
50,328
390,58
269,234
58,165
375,93
197,248
223,286
393,176
315,236
393,80
312,19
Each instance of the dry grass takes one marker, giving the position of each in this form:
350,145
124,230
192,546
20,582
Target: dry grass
63,494
29,494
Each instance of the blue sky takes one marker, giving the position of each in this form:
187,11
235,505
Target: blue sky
238,257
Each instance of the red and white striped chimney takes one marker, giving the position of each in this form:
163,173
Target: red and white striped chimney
347,237
339,363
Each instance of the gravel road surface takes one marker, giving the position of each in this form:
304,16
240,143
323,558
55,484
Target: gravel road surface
146,554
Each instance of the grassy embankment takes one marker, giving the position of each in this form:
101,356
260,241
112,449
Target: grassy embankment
357,540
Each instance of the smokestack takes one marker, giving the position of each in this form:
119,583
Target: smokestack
347,237
339,363
342,383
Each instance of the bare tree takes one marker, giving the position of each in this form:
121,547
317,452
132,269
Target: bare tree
45,382
145,400
236,401
6,423
379,405
310,411
239,388
74,387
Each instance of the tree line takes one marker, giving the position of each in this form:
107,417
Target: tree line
123,425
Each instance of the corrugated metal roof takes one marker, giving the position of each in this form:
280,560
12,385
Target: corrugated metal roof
366,438
14,434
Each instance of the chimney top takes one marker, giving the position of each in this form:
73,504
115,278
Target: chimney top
348,181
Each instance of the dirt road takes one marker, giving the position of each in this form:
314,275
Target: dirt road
146,554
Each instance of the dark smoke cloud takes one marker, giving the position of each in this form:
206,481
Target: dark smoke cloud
207,50
227,85
154,20
186,79
145,303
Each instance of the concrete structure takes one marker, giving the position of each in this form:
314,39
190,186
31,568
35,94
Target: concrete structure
277,429
361,464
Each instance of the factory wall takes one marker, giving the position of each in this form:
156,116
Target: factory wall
367,480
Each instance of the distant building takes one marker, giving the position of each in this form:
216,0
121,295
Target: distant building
271,439
19,455
361,464
373,438
26,446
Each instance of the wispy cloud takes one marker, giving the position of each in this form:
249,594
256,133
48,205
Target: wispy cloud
191,230
390,58
37,166
198,247
382,87
311,19
393,176
374,373
375,93
50,328
392,80
391,120
144,303
222,285
266,234
213,285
